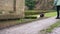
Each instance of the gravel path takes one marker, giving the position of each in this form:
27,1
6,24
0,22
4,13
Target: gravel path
30,28
56,31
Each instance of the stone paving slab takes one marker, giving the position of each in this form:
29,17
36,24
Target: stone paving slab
30,28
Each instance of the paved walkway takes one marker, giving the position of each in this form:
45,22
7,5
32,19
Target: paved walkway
30,28
56,31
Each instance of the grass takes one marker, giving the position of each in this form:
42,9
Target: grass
49,29
30,12
32,16
34,13
51,14
40,10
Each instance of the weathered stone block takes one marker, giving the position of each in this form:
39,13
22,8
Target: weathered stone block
7,8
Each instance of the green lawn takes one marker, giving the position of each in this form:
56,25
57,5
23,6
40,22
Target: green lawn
34,13
51,14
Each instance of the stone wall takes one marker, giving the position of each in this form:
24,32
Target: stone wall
7,5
